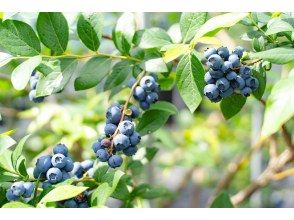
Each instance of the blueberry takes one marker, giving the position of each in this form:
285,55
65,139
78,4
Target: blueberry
128,118
245,72
148,83
33,98
223,52
126,128
113,114
130,151
211,91
115,161
43,164
54,175
109,129
71,203
240,82
121,142
216,74
10,196
83,205
227,92
239,51
29,189
135,138
139,93
135,111
78,169
252,82
208,78
231,75
209,52
87,164
222,84
215,62
46,184
234,59
102,155
131,82
97,145
37,173
18,188
246,91
105,143
65,175
157,88
60,149
152,97
227,67
58,160
217,99
144,105
69,165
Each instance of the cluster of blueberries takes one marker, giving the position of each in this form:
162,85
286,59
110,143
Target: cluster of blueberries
20,190
227,75
81,201
80,168
33,84
146,93
54,168
120,135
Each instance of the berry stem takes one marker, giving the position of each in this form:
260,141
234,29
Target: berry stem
141,75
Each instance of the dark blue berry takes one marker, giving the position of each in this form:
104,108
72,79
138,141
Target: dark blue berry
71,203
208,78
227,92
245,72
115,161
68,164
215,62
209,52
246,91
239,51
227,67
216,74
87,164
43,164
54,175
223,52
126,128
29,189
77,170
148,83
139,93
121,142
231,76
33,98
65,175
109,129
235,60
60,149
144,105
10,196
102,155
83,205
58,160
46,184
135,138
18,188
96,145
113,114
211,91
152,97
222,84
217,99
252,83
130,151
135,111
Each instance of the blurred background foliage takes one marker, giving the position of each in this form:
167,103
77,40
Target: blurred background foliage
194,150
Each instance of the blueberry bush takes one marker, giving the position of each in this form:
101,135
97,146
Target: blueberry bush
93,145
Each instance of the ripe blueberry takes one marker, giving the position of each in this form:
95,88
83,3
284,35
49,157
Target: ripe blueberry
10,196
126,128
109,129
223,52
130,151
135,111
211,91
209,52
77,169
43,164
54,175
71,203
96,145
227,92
227,67
68,164
131,82
216,74
246,91
60,149
87,164
252,83
208,78
222,84
121,142
152,97
115,161
231,75
239,51
215,62
234,59
102,155
245,72
144,105
58,160
139,93
18,188
135,138
148,83
29,189
113,114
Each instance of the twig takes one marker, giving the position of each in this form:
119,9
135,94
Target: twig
284,174
275,166
287,137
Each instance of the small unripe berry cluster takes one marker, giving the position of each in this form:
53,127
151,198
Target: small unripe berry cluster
54,168
120,135
20,190
147,91
81,201
227,75
80,168
33,84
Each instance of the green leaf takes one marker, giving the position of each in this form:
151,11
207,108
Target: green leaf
21,166
120,72
164,106
53,31
167,83
18,151
217,23
190,80
155,117
277,25
151,152
22,73
5,161
5,58
154,37
19,38
156,65
222,201
104,191
260,74
173,51
6,142
279,106
276,55
55,81
124,32
60,193
147,191
190,22
89,28
231,105
93,72
100,172
17,205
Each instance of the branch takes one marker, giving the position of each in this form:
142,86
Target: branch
283,174
287,137
275,166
